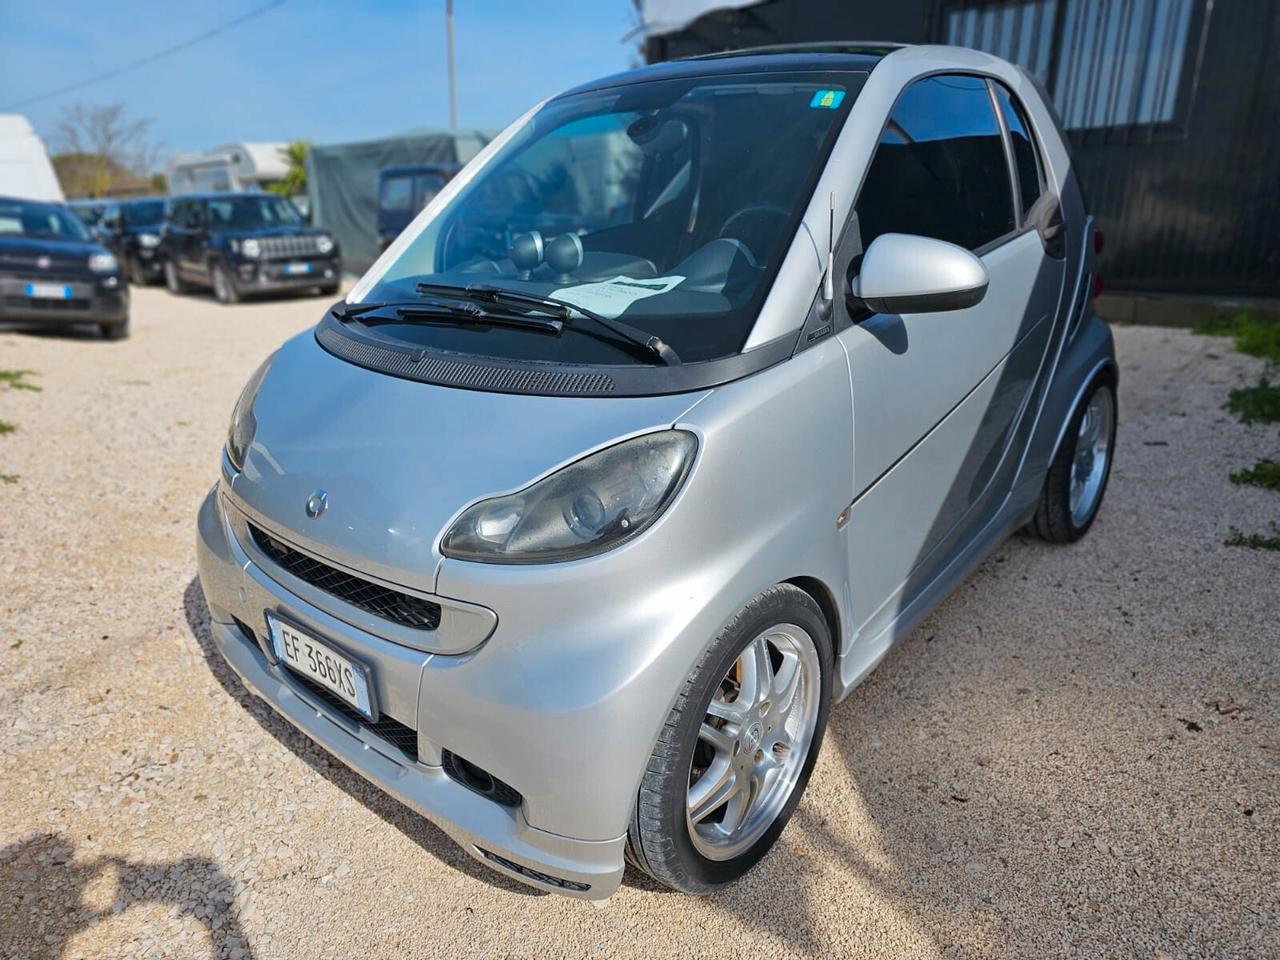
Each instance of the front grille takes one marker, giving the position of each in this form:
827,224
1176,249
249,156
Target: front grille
45,277
274,248
402,608
392,732
42,303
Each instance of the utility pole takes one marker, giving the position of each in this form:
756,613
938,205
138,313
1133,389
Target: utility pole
453,83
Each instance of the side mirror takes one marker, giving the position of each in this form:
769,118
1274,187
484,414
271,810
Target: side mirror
902,273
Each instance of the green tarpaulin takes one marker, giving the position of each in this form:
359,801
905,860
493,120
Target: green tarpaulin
342,180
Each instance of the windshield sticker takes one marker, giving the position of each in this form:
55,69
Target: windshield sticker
609,298
827,100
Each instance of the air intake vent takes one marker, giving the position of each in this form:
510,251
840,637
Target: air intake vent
481,781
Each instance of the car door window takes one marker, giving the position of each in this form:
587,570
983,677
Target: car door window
939,169
1025,159
397,193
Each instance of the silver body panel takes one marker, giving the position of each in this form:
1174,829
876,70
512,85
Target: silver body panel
930,435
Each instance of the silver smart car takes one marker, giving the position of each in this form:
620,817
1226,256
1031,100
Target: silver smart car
652,433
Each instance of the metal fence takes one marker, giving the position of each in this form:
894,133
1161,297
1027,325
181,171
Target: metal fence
1172,108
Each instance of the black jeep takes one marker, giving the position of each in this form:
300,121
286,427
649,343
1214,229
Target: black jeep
240,244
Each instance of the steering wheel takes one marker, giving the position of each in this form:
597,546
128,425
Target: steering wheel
756,208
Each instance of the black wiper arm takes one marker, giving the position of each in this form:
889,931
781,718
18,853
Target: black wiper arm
349,311
469,314
561,308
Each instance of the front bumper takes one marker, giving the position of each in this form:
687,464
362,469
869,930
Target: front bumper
239,591
270,276
149,264
90,301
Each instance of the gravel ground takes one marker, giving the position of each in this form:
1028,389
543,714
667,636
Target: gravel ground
1076,755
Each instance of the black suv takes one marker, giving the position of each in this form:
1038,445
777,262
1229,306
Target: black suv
52,271
131,229
240,244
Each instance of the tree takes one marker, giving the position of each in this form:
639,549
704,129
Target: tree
111,151
294,182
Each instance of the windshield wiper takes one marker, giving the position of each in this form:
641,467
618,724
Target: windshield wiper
464,313
563,309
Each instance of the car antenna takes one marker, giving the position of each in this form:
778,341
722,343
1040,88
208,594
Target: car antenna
828,280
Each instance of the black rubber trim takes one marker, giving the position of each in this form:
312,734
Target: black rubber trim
365,347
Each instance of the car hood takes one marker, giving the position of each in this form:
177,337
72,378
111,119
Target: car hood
398,459
21,253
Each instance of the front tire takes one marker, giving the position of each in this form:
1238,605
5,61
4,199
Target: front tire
175,284
737,749
1078,475
224,288
114,331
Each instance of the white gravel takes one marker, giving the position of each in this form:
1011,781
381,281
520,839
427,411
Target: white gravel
1077,755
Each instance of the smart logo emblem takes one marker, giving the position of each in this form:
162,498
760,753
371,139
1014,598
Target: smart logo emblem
317,504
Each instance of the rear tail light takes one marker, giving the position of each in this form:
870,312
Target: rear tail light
1097,285
1098,240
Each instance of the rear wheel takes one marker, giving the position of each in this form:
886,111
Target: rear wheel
224,288
1078,475
172,280
329,289
738,747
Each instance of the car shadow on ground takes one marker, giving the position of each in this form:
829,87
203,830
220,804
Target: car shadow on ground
48,896
420,830
78,331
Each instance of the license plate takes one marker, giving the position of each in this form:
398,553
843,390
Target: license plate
294,269
320,663
48,291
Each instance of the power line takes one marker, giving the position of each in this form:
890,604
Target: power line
152,58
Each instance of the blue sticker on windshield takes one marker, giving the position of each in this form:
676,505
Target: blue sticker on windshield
827,99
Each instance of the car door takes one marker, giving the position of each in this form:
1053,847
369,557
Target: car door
177,234
938,397
197,252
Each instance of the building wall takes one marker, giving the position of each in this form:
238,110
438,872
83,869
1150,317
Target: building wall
1174,123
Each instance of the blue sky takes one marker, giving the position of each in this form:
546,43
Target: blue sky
320,70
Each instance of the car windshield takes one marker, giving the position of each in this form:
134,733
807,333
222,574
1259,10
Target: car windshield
40,221
666,204
251,213
143,213
91,214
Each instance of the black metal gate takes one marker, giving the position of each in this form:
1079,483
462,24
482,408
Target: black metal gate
1173,112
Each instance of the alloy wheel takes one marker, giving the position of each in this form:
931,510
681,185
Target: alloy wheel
753,742
1093,451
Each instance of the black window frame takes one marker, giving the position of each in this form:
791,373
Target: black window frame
1019,225
1033,135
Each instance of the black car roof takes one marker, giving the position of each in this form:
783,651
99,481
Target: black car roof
781,58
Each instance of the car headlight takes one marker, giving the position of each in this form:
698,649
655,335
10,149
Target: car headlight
103,263
251,248
588,507
148,239
243,423
324,243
